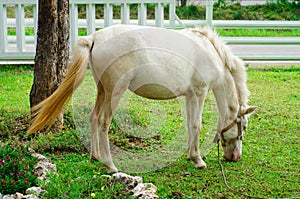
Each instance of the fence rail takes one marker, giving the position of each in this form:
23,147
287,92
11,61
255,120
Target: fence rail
15,49
230,24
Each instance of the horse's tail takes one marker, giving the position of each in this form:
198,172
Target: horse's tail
46,112
235,65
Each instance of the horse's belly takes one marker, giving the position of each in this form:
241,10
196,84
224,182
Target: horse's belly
156,91
157,81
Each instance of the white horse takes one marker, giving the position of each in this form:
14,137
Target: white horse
160,64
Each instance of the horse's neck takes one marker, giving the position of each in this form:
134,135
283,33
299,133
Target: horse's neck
227,101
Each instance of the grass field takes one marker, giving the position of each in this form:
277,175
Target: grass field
222,32
269,167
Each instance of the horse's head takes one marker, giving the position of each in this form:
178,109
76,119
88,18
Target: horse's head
231,136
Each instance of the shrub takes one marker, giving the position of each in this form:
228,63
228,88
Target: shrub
16,169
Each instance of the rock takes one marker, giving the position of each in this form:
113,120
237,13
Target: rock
38,156
145,191
128,181
43,167
31,196
8,197
34,190
20,196
135,185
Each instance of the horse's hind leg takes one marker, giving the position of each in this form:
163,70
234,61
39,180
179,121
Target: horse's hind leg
101,116
194,107
95,124
105,120
100,119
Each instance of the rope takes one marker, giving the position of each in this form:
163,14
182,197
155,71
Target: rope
239,137
229,187
225,179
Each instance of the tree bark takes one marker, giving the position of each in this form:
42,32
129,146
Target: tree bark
183,3
52,52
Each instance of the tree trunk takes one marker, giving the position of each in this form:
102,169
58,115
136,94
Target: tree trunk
183,3
52,52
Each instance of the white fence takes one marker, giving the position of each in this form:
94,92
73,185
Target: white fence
21,48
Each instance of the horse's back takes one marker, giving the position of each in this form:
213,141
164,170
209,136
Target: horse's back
167,61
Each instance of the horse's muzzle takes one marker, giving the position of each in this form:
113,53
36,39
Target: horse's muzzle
233,156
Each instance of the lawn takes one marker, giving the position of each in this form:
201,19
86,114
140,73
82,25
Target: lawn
269,167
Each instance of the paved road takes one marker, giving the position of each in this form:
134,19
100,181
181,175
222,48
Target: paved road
266,50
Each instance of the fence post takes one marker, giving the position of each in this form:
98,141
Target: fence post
74,24
209,12
108,14
172,14
20,27
142,14
125,13
159,14
91,18
3,28
35,21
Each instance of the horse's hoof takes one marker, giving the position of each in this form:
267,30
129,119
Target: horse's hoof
93,158
201,166
112,170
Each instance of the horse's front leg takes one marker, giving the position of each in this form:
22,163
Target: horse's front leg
100,149
194,107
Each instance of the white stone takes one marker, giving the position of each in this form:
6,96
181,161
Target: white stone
43,167
145,191
31,196
8,197
135,184
34,190
18,195
128,181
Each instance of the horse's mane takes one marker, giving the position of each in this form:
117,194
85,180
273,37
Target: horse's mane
234,64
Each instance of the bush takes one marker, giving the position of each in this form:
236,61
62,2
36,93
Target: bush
16,169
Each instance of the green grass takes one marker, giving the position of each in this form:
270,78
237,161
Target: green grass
79,180
258,33
14,87
221,31
269,11
269,167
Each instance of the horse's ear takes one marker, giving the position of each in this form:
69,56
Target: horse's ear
250,110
